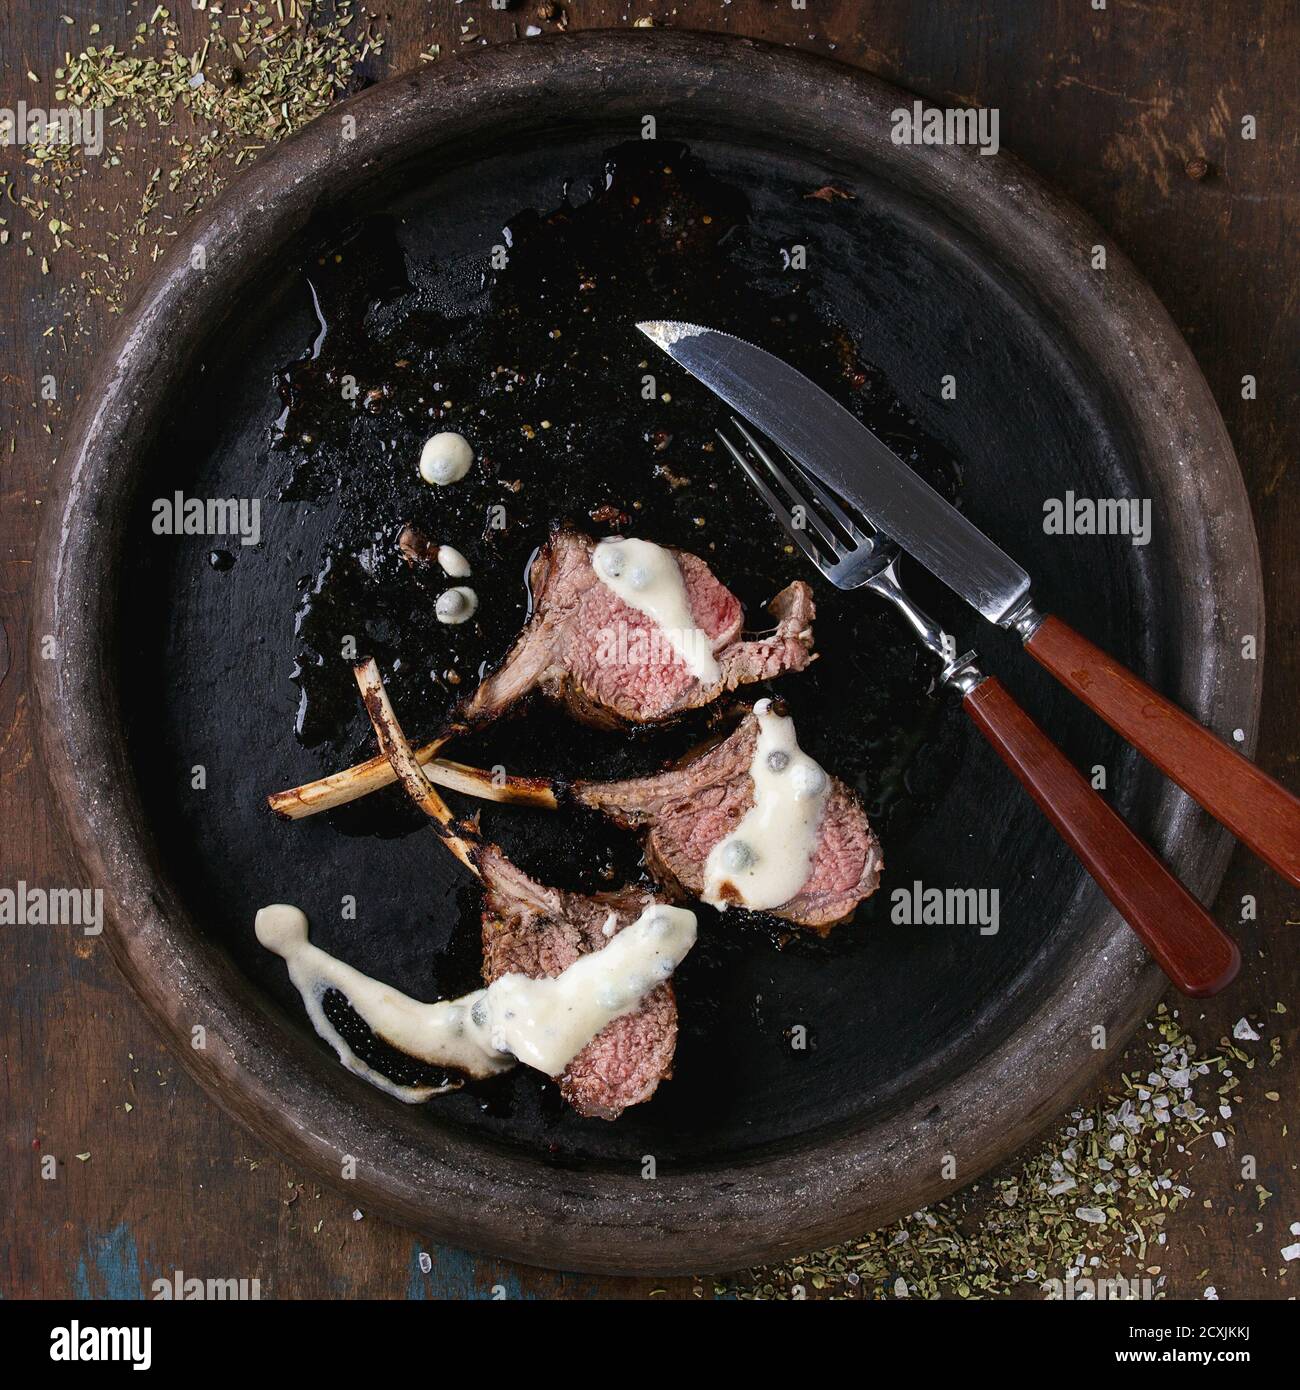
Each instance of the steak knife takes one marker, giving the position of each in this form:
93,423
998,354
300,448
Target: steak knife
843,453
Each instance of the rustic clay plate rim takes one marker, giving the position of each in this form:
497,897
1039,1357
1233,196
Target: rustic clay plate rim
456,1187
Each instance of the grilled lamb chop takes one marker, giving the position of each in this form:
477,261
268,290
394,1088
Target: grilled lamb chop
539,931
685,811
563,652
564,649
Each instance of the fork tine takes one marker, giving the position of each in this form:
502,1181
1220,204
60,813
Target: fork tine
811,519
798,534
826,500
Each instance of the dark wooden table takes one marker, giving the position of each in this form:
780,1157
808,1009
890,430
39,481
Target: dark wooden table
1136,111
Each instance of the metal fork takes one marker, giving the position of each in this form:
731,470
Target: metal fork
1187,943
859,557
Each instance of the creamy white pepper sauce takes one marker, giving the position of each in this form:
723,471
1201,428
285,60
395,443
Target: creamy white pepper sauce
647,577
445,458
544,1023
453,562
456,605
766,860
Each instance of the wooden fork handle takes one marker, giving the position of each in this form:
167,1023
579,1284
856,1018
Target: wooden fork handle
1184,939
1259,811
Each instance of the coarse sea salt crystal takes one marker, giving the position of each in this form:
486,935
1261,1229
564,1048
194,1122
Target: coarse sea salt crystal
1243,1032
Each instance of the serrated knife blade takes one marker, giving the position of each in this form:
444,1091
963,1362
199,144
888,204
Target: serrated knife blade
821,435
844,454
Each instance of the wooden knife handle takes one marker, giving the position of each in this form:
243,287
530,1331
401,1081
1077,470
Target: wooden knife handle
1184,939
1259,811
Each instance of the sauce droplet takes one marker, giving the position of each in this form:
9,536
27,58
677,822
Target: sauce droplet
453,562
456,605
445,458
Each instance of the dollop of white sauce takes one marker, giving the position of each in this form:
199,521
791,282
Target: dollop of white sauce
445,458
453,562
647,577
456,605
544,1023
766,860
547,1022
437,1032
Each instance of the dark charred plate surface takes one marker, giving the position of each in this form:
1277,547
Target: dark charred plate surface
402,329
922,1040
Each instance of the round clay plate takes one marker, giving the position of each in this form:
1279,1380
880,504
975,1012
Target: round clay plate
918,1042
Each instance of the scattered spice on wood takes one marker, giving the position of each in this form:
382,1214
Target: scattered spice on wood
258,74
1091,1204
